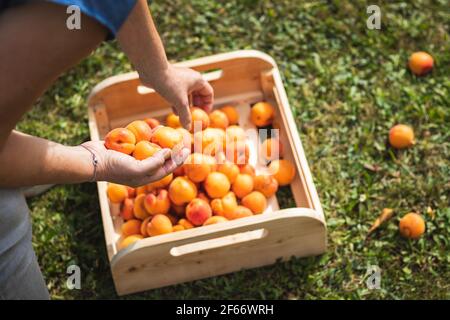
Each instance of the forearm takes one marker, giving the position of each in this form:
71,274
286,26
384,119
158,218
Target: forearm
26,160
140,41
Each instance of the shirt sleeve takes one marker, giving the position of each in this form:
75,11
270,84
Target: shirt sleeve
110,13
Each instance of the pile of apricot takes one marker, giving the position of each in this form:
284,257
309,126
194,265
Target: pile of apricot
214,185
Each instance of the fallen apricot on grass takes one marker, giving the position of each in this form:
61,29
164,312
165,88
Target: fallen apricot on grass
412,225
401,136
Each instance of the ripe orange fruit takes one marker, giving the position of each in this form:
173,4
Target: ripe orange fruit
262,114
243,185
229,169
198,211
117,192
209,141
131,227
162,183
200,119
145,149
185,223
214,220
266,184
217,185
241,212
139,210
182,191
283,171
420,63
178,227
401,136
231,113
196,167
121,140
141,130
129,240
247,169
152,122
271,149
173,121
225,206
255,201
218,119
412,226
126,211
160,224
167,137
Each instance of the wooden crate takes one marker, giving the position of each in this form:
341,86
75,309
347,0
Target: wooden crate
239,78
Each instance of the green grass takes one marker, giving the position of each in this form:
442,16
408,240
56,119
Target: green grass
347,86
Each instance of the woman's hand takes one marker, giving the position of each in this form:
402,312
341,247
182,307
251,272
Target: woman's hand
176,84
120,168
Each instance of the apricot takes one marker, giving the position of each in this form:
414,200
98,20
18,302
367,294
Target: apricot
214,220
200,119
266,184
178,227
229,169
131,227
187,137
271,149
247,169
152,122
121,140
182,191
209,141
401,136
126,211
218,119
116,192
144,226
225,206
161,183
231,113
283,171
141,130
139,207
185,223
255,201
129,240
262,114
173,121
158,203
420,63
238,153
412,226
240,212
160,224
145,149
166,137
198,211
197,167
217,185
234,134
243,185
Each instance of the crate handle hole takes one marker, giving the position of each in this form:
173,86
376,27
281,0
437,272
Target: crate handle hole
212,74
219,242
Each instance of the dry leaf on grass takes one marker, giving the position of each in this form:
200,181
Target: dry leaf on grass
385,215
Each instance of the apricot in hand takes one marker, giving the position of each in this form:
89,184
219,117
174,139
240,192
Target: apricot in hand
166,137
121,140
141,130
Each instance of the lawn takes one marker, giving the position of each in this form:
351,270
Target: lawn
347,86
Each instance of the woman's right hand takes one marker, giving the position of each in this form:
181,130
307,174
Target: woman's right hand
120,168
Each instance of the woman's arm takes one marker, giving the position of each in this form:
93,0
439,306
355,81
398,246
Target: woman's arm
26,160
140,41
